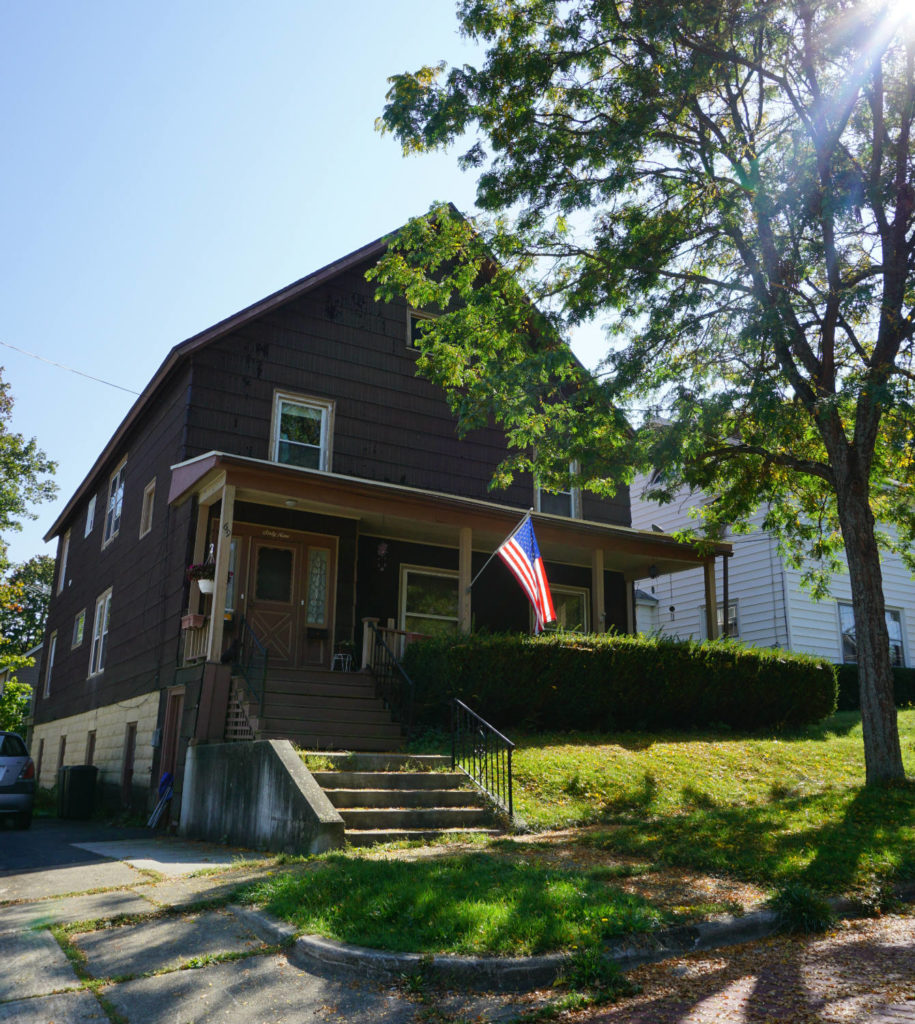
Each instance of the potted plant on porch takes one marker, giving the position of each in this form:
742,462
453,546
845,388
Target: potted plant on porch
204,573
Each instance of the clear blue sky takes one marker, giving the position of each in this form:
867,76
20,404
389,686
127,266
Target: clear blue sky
166,165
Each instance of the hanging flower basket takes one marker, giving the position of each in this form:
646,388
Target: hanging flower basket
204,574
205,585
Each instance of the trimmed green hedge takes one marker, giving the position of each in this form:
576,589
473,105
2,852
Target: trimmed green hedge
849,694
560,682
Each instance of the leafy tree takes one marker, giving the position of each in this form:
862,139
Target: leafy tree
14,705
25,606
728,184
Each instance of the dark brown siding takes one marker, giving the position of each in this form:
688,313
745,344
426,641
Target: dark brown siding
146,574
338,343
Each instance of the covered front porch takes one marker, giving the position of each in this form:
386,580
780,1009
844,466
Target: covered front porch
302,556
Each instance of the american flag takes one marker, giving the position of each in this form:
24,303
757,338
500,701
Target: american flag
520,553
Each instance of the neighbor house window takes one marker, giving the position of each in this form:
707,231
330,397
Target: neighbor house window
100,634
90,516
733,619
64,552
115,503
302,429
571,607
149,501
428,601
52,650
849,638
79,628
416,322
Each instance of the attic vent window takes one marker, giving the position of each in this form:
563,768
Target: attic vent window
302,429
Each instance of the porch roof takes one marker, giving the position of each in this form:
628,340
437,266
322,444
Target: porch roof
395,511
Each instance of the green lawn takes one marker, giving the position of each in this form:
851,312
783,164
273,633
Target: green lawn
768,810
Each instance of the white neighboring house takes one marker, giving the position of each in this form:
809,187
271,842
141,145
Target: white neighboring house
767,607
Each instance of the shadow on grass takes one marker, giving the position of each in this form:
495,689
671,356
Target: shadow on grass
470,903
834,840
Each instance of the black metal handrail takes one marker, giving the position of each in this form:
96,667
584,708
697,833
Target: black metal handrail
483,753
251,662
393,684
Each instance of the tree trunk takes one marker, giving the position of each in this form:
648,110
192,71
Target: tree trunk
882,754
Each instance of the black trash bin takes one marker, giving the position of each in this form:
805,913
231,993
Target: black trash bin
76,791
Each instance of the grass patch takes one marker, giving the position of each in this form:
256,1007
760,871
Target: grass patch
791,808
472,903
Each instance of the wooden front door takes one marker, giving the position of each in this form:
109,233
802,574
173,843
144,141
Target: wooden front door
290,599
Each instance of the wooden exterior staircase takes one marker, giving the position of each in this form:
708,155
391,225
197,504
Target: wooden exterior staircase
316,709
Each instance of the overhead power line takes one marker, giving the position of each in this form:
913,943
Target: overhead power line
69,369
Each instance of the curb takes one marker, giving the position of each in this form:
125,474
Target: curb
520,974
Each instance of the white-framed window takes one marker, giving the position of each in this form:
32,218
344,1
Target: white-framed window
572,606
64,552
146,512
415,321
559,503
79,629
115,503
302,430
849,641
90,516
428,600
99,650
52,651
733,619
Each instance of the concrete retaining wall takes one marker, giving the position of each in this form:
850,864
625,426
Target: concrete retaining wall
258,795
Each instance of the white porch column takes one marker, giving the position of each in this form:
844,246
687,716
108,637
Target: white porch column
598,609
223,549
465,552
711,601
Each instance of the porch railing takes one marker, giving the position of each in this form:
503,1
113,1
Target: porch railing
393,684
251,662
483,753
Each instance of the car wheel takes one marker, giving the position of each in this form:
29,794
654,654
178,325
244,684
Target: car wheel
24,819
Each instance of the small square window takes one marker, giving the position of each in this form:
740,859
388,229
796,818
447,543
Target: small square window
416,322
146,513
571,605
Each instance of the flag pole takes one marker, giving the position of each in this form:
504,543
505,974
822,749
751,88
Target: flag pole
530,512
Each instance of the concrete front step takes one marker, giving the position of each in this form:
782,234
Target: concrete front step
330,742
387,762
391,780
362,818
369,837
400,798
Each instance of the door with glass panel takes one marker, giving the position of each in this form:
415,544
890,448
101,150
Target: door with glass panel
290,600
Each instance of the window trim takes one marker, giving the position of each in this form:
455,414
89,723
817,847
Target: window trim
114,526
426,570
324,405
49,665
62,562
74,642
101,626
573,492
567,589
733,602
148,507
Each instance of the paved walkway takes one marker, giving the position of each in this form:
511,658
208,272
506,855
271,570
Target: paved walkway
145,938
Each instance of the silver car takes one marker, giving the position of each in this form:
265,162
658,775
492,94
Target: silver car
17,779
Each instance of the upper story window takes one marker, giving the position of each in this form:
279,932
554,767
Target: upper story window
115,503
559,503
302,430
52,651
415,323
90,516
149,502
62,569
850,641
100,634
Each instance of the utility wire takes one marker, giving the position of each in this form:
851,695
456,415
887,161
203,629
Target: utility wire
69,369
